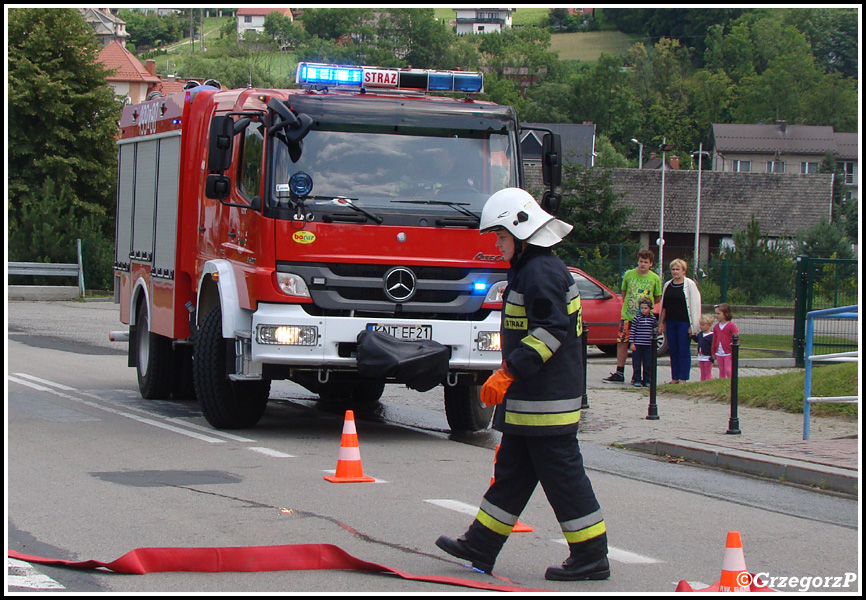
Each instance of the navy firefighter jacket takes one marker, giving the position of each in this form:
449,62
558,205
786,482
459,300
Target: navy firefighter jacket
541,347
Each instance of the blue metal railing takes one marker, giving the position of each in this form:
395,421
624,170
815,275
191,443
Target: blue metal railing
843,312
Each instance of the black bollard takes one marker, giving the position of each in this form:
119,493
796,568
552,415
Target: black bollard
734,422
585,337
653,409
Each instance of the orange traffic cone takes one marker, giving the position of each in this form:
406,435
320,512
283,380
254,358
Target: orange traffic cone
349,469
735,576
518,526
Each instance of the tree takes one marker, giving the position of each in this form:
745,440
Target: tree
824,240
281,28
62,127
334,23
148,30
590,204
603,94
415,36
832,34
608,157
758,267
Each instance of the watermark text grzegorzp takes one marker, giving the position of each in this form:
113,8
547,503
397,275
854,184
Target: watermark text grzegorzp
802,583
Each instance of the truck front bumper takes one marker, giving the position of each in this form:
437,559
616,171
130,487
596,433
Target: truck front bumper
284,334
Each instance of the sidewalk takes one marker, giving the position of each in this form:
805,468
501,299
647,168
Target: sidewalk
770,443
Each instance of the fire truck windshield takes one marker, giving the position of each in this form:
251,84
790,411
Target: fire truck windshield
387,173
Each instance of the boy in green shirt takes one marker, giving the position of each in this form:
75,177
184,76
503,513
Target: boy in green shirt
637,283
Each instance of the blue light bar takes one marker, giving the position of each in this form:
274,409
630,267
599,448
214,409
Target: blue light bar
312,74
468,82
440,82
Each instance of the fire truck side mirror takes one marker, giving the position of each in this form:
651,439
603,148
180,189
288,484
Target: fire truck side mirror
551,164
217,186
222,132
550,202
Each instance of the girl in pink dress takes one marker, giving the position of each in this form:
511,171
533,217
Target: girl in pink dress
723,333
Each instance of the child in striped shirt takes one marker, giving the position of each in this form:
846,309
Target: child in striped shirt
641,337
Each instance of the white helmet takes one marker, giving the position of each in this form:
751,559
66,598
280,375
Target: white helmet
516,211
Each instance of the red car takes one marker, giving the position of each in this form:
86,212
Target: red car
602,312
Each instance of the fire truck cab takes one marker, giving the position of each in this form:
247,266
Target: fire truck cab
260,231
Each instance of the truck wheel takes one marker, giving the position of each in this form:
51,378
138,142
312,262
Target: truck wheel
464,410
153,357
226,404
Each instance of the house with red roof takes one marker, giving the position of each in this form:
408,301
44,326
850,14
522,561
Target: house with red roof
253,19
133,81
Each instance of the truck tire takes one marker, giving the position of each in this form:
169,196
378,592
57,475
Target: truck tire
464,410
153,358
226,404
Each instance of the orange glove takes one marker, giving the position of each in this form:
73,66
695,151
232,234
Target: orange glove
493,390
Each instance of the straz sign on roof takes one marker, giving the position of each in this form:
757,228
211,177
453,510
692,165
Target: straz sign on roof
380,78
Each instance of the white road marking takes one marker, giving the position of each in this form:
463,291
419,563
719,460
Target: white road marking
22,575
617,554
623,556
146,421
59,386
228,436
269,452
455,505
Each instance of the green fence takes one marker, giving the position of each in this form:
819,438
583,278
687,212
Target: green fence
823,283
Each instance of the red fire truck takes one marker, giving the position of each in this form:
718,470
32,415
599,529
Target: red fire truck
259,231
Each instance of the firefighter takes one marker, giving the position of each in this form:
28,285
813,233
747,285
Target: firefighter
538,394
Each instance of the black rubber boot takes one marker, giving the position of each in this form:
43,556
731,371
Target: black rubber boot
460,548
588,560
572,570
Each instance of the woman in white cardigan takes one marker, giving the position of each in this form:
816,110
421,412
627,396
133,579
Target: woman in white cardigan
679,316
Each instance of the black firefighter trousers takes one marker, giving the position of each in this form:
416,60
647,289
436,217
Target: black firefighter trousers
555,461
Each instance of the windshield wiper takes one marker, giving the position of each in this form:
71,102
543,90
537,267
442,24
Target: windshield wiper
458,206
350,203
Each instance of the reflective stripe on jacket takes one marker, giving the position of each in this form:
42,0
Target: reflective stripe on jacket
541,328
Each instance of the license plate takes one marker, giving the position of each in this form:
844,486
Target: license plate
404,332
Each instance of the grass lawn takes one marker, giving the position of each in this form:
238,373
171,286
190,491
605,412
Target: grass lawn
783,391
589,45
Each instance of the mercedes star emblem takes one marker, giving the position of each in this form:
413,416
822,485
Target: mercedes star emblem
399,284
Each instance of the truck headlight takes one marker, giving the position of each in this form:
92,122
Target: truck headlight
292,285
489,341
291,335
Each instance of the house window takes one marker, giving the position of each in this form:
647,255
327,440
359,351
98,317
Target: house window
848,169
775,166
808,167
248,18
742,166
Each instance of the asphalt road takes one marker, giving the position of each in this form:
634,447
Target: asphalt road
94,471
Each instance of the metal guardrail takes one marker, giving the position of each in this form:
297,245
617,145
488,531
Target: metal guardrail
843,312
51,269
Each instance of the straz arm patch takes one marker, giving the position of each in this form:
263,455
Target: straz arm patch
520,323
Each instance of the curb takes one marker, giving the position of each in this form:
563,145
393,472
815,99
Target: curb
783,469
